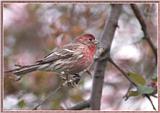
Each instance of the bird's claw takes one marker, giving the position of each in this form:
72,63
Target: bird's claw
76,78
72,82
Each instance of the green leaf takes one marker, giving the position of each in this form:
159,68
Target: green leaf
21,104
145,89
133,93
136,78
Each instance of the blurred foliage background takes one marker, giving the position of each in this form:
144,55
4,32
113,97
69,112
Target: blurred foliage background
31,31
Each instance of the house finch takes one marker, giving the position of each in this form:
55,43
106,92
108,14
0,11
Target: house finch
69,59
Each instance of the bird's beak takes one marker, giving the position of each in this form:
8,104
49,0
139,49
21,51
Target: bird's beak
96,42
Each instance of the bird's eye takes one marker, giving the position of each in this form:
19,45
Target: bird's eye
90,39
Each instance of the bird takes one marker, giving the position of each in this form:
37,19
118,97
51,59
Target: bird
69,59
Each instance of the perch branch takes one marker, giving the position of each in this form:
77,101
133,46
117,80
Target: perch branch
100,66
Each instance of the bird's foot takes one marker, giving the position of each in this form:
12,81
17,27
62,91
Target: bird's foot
72,82
76,78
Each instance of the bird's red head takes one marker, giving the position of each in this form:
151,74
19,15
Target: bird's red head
85,37
89,40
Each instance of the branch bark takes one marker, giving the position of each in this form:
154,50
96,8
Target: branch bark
100,65
144,28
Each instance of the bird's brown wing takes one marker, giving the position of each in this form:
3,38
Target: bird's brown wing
64,52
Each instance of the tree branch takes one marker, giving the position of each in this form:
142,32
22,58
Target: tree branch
71,82
132,83
148,97
48,97
100,65
146,36
144,28
123,73
80,106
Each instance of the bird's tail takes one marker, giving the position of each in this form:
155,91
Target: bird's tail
21,70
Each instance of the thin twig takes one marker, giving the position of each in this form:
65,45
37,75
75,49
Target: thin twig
126,95
132,83
144,28
146,36
49,96
123,73
70,82
80,106
148,97
154,96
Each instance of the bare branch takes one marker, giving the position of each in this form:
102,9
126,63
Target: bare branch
80,106
70,82
148,97
48,97
100,66
126,95
132,83
123,73
147,37
144,28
